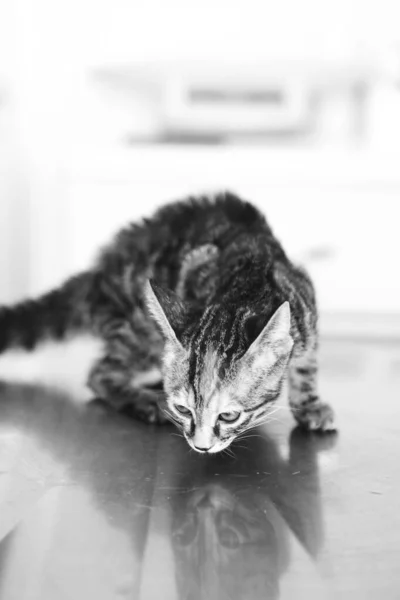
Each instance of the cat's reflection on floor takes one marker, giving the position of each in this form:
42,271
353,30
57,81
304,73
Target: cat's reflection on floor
232,519
227,546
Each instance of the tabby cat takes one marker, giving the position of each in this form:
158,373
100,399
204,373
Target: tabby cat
201,316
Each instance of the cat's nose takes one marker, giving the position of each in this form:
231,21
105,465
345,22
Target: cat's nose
202,440
202,449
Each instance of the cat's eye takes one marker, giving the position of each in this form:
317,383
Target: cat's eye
183,410
229,417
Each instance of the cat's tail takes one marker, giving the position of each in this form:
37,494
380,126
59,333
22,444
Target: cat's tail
52,316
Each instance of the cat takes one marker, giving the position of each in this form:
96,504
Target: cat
202,318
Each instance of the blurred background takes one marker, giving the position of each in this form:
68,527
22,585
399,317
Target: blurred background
110,108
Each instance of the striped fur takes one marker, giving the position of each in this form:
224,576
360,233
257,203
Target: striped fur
215,322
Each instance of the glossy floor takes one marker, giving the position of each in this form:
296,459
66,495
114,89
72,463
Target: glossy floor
94,506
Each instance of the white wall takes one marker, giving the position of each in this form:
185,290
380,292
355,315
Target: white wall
62,195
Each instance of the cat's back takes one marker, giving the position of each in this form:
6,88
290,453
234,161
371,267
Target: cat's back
190,222
219,211
158,245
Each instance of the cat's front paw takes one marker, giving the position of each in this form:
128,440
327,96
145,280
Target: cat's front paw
149,407
315,416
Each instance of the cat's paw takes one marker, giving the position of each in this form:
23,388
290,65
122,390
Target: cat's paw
148,407
315,416
148,413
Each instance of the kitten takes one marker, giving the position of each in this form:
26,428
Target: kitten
202,299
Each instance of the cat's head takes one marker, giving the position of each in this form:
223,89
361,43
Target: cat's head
221,369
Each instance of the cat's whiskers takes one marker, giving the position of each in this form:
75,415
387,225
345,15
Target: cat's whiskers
229,452
267,418
172,417
241,446
247,437
277,409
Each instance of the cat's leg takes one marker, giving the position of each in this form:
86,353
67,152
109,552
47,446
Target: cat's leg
111,383
307,407
126,379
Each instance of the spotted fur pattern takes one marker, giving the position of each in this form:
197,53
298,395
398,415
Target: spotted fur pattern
226,317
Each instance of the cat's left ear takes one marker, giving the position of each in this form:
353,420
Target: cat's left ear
275,335
167,309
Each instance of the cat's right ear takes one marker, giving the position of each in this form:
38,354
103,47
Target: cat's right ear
275,334
167,310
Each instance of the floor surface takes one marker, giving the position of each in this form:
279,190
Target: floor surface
95,506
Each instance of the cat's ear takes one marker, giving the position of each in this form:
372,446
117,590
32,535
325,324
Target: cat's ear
275,335
167,310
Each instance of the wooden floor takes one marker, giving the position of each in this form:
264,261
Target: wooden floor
94,506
